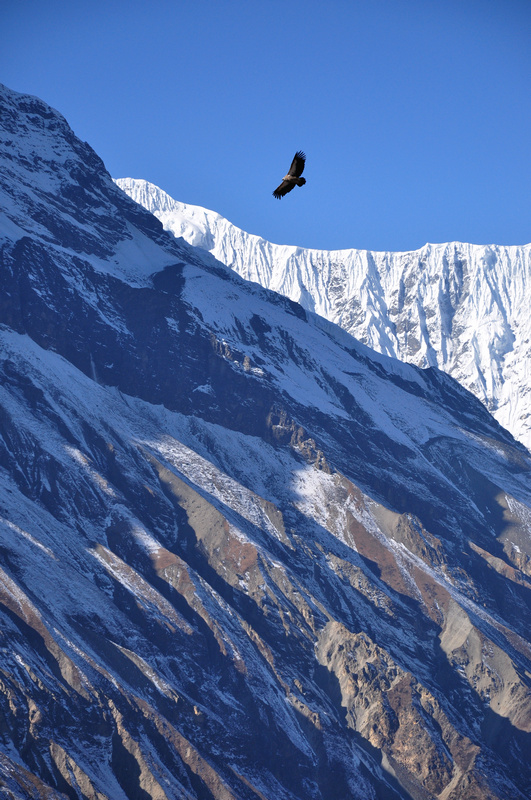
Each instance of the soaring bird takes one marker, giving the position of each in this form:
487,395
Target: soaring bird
293,178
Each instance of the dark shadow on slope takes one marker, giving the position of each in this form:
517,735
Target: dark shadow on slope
127,770
511,744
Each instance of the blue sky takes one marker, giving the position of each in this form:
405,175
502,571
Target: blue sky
415,115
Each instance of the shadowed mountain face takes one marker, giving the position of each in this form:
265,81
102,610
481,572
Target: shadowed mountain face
242,555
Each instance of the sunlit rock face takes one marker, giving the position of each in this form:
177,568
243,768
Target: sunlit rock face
463,308
243,556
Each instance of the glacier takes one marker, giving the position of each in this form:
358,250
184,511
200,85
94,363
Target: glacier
463,308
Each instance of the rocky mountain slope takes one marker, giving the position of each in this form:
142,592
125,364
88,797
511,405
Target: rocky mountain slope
462,308
242,555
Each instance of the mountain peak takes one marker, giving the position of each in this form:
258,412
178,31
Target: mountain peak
243,555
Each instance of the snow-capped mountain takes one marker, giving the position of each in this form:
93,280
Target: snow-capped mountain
460,307
243,557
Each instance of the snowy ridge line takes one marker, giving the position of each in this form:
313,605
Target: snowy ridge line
460,307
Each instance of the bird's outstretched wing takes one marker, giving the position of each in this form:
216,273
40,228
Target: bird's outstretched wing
284,188
297,165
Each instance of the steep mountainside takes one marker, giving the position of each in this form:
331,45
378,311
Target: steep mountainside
242,556
460,307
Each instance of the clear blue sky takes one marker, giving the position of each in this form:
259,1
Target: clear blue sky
415,115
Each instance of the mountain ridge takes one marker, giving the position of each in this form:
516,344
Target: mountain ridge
243,555
457,306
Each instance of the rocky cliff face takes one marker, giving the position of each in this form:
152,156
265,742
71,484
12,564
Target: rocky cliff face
243,556
462,308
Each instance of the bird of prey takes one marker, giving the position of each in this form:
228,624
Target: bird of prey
293,178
